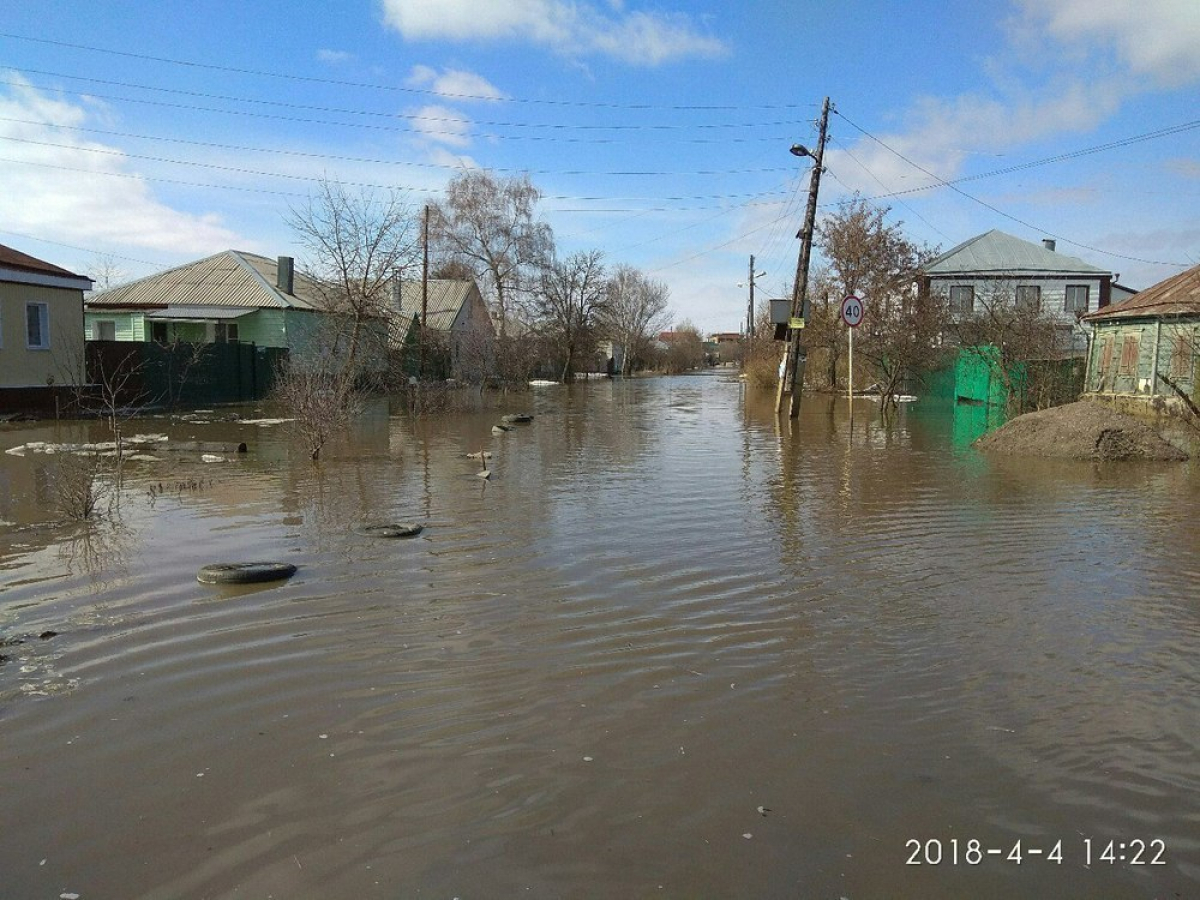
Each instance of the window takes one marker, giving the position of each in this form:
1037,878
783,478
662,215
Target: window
103,330
37,326
158,332
1029,297
1182,349
1076,300
962,298
225,332
1129,355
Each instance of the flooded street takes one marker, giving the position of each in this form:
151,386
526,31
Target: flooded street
669,650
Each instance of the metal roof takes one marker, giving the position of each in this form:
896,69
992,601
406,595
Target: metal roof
229,279
199,313
1002,254
1177,296
15,259
445,298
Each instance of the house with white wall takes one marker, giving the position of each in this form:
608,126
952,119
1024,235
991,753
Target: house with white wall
994,269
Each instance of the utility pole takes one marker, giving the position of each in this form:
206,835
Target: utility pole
793,370
750,309
424,294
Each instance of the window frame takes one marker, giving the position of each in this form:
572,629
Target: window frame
1021,301
1068,307
1183,350
957,306
98,326
43,324
1130,354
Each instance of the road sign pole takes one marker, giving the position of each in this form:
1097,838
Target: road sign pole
850,374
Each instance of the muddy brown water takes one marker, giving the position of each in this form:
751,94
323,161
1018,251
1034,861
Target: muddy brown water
668,650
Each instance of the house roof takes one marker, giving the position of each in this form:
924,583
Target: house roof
444,300
18,266
1002,254
1179,295
228,279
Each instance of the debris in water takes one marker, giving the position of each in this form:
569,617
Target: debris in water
747,835
762,810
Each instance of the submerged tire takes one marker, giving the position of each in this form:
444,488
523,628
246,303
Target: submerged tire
244,573
391,530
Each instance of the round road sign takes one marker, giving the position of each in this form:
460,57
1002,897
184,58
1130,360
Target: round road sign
852,311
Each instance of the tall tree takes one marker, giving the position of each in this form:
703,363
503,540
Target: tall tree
490,224
635,309
356,245
567,306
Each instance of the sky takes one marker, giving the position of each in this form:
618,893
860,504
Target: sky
137,136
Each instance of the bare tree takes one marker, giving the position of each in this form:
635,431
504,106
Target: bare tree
634,310
106,272
357,245
875,261
489,225
571,298
685,349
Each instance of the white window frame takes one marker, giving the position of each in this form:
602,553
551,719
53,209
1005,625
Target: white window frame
43,309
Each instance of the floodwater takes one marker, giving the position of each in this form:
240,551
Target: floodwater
669,650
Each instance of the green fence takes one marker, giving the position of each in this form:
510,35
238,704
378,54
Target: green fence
179,374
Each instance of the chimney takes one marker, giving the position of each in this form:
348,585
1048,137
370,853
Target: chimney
285,274
397,292
1048,244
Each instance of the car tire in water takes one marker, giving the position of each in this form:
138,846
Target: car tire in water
389,530
245,573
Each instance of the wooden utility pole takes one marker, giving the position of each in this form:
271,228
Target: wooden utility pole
793,370
424,294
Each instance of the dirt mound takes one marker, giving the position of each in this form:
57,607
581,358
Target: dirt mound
1081,430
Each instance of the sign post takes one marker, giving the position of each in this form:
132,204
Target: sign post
852,315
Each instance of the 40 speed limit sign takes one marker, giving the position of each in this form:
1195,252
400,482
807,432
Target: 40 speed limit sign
852,311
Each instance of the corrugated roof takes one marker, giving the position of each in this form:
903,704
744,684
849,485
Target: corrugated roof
445,298
15,259
999,253
228,279
1177,296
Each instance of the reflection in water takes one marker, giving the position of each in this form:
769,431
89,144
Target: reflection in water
666,609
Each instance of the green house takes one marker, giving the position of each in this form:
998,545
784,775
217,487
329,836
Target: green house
1148,346
232,296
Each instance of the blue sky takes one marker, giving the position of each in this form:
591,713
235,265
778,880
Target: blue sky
658,132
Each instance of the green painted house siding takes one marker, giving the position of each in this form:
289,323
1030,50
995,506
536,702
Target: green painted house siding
1128,357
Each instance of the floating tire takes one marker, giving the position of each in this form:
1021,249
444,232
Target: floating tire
245,573
393,530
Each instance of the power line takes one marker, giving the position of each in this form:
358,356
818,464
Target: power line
312,79
277,117
943,183
659,126
359,159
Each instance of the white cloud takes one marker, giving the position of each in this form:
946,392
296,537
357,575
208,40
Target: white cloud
442,125
570,28
334,57
56,185
943,133
1153,38
455,84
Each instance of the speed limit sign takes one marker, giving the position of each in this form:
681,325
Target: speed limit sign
852,311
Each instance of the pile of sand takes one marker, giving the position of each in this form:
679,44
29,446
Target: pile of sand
1082,430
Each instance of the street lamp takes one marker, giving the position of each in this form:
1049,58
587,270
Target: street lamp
793,369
